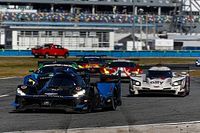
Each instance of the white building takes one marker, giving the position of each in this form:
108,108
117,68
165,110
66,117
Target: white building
73,38
164,44
2,36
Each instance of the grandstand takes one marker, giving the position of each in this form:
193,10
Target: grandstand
89,24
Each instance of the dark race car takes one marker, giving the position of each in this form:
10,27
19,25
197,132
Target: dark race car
92,63
45,71
125,66
69,90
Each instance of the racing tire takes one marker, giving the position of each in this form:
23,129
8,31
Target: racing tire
183,94
119,103
36,56
188,92
46,56
89,108
66,55
19,108
131,94
113,104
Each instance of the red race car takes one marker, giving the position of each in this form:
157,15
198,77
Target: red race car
126,67
50,49
92,63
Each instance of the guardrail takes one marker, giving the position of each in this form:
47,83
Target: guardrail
186,53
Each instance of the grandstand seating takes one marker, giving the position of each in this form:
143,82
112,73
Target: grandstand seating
98,18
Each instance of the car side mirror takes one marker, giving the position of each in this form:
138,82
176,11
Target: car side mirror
31,70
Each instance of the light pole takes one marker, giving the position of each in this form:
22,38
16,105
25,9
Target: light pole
133,25
147,31
140,13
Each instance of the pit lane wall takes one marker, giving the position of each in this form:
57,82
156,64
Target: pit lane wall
185,53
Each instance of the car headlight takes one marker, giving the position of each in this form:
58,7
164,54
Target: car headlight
19,90
79,66
176,83
31,81
51,75
79,93
135,82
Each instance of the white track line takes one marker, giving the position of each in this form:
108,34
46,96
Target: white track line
6,95
8,77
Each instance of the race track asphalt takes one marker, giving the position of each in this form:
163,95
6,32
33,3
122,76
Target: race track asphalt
148,109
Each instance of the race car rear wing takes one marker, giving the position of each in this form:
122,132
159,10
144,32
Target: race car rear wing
42,63
173,67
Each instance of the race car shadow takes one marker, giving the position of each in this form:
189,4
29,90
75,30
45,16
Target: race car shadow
29,111
41,111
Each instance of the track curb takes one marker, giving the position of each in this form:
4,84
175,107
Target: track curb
182,127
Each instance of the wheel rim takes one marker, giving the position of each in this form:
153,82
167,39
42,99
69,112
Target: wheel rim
46,56
114,103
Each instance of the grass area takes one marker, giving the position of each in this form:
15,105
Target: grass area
195,73
20,66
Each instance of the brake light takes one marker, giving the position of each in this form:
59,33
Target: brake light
96,65
107,70
134,70
80,66
85,66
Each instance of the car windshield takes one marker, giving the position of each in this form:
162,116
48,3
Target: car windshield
121,64
47,45
48,69
159,74
68,80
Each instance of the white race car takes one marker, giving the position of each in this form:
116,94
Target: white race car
160,79
197,62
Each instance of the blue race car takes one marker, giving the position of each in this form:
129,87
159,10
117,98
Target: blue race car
70,90
46,71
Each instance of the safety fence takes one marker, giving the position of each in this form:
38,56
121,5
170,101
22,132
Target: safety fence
186,53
